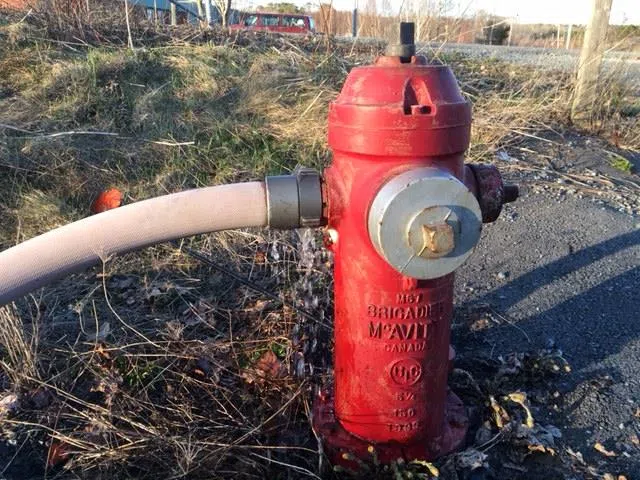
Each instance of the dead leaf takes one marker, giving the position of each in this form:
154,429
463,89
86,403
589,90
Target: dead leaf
259,306
102,350
537,439
202,368
601,448
267,366
107,200
577,455
433,471
471,459
58,453
521,399
500,414
108,386
479,325
260,257
541,449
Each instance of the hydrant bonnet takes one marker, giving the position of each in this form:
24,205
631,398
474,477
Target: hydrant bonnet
400,109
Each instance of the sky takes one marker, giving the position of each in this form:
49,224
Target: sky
524,11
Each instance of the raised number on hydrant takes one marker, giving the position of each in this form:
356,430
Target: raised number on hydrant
403,212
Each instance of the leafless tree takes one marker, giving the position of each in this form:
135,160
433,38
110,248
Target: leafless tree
126,16
224,7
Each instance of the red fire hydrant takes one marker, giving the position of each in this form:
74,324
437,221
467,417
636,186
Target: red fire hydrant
403,212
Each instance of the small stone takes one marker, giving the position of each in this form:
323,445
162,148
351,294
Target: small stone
502,275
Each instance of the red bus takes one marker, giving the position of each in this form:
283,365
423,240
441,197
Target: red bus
275,22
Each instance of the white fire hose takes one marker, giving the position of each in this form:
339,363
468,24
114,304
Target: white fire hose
48,257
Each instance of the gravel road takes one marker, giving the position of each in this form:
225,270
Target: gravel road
625,64
565,271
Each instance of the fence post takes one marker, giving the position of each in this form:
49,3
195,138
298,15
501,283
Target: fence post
174,15
207,12
354,21
590,60
567,43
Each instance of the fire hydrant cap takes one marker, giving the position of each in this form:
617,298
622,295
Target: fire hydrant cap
400,109
425,223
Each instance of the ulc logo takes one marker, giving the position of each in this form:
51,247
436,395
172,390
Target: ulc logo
406,371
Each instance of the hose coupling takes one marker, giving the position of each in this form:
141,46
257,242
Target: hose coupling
295,201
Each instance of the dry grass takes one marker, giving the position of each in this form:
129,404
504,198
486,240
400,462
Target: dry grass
147,366
19,347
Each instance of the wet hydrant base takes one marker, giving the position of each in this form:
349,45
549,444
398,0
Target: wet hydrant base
341,447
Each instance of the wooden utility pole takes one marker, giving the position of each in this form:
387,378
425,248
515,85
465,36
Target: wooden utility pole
590,60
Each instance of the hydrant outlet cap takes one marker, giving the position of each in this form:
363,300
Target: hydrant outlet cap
425,223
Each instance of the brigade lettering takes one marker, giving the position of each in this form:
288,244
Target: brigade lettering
406,312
